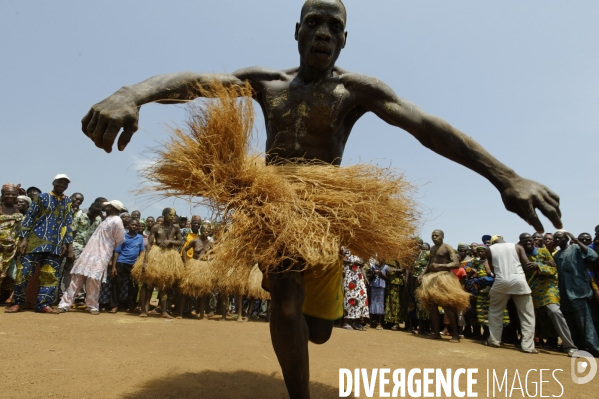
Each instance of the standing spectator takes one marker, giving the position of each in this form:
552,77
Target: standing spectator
126,218
377,291
136,215
541,273
92,266
355,298
393,301
537,238
149,223
10,223
192,234
125,256
420,265
33,192
84,225
505,261
575,289
549,244
76,201
45,235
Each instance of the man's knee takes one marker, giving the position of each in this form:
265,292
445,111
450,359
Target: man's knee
319,330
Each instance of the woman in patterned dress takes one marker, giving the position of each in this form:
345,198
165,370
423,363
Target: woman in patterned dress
355,299
393,298
10,223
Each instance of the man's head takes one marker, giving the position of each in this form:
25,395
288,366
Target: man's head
497,239
60,183
559,239
196,222
438,237
136,215
486,239
101,200
585,238
111,209
32,192
321,33
527,242
537,238
133,226
182,221
206,229
463,250
160,219
77,200
150,222
94,211
169,214
548,241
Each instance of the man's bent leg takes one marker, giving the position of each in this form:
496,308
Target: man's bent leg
526,313
319,330
68,298
560,325
92,298
289,331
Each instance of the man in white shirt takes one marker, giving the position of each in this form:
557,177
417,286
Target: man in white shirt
505,261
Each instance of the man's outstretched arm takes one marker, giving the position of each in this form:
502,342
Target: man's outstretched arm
519,195
121,110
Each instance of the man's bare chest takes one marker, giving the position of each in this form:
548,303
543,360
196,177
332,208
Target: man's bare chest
306,109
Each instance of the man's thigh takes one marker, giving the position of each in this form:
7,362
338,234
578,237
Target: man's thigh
319,330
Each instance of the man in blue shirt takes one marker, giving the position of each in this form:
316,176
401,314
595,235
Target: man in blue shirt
125,256
46,235
575,289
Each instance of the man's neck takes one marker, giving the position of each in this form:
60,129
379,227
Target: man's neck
133,234
310,75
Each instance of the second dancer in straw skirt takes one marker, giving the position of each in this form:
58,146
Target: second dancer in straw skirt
161,266
440,287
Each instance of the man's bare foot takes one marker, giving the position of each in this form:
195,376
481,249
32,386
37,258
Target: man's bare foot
144,315
113,310
153,312
166,316
242,320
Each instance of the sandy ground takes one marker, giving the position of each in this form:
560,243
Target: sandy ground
76,355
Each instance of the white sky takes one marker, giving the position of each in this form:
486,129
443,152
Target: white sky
519,77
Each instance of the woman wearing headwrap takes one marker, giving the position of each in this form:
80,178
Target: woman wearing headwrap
10,222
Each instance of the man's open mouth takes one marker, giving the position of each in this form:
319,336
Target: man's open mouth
321,50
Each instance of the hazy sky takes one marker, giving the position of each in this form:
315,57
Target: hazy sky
519,77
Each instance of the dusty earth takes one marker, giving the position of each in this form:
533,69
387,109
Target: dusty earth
76,355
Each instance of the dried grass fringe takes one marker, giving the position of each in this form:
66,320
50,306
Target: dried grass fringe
443,289
255,290
232,279
163,270
197,278
275,213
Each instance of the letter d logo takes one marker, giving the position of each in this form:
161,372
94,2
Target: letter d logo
581,363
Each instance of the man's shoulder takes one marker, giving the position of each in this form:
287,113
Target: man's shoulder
256,74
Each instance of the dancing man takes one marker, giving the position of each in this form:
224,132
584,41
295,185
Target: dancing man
309,113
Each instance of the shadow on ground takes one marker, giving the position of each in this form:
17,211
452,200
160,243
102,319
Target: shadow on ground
212,384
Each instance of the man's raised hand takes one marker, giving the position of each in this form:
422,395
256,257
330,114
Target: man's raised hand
105,119
523,196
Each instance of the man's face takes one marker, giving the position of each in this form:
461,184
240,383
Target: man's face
32,193
558,239
126,218
548,240
487,243
437,237
195,225
585,238
60,186
537,238
150,222
205,231
159,219
182,222
77,200
94,212
527,242
133,225
321,33
136,215
481,252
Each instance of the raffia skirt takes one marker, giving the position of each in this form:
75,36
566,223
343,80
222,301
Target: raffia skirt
197,278
164,268
443,289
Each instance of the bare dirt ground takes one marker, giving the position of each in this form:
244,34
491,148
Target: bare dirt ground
76,355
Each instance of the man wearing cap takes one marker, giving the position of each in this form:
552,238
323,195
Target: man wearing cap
33,192
92,266
505,261
46,234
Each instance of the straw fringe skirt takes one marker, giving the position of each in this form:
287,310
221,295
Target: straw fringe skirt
232,280
443,289
197,278
255,290
164,268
